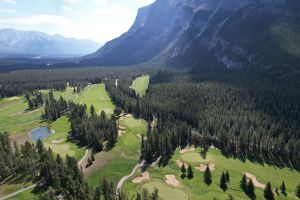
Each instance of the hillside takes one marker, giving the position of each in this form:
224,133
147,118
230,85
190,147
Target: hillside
231,34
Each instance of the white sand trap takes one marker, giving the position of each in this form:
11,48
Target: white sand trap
122,127
180,163
203,167
145,176
171,180
119,132
55,141
13,98
255,181
188,149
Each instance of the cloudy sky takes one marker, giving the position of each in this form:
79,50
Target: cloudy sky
98,20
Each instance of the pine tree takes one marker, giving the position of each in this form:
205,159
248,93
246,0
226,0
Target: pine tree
207,176
138,196
92,110
243,183
183,171
268,193
227,177
223,184
297,192
282,188
190,173
250,188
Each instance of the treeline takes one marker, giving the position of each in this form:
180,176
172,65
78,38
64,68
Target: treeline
34,99
54,109
261,124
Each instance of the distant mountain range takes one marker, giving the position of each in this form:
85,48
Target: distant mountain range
209,33
31,43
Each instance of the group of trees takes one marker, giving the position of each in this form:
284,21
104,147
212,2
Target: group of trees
35,100
91,129
247,186
54,109
187,172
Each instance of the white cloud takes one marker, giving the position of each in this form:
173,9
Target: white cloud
44,20
10,1
66,8
99,1
8,11
112,10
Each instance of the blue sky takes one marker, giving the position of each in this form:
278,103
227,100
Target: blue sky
98,20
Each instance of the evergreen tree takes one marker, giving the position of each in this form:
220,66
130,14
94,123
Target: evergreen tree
207,176
138,196
227,177
230,197
223,184
297,192
190,173
243,183
97,195
268,193
92,110
282,188
250,188
183,171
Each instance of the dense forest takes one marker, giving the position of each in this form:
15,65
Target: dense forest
260,122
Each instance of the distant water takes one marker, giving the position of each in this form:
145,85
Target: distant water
40,133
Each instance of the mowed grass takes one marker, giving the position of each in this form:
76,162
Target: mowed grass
15,118
140,85
166,192
59,143
6,189
197,189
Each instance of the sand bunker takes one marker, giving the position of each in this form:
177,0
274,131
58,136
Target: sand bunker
203,167
55,141
180,163
171,180
122,127
119,132
188,149
255,181
145,176
25,112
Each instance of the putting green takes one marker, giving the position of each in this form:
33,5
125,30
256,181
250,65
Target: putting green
193,157
165,192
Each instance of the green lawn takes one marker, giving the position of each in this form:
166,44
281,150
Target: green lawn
14,117
140,84
58,141
26,195
196,189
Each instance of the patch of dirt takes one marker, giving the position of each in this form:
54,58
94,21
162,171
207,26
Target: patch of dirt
203,167
171,180
122,127
255,181
20,138
188,149
56,141
145,176
25,112
101,159
180,163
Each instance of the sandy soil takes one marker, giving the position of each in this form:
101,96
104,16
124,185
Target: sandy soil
55,141
145,176
122,127
188,149
255,181
171,179
180,163
203,167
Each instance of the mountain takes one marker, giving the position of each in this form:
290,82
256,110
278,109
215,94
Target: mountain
23,43
208,33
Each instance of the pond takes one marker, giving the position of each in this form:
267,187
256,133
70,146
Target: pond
40,133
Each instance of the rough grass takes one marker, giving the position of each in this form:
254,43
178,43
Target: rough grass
165,192
197,189
140,85
26,195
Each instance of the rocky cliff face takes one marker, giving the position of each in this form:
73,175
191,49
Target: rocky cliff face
210,33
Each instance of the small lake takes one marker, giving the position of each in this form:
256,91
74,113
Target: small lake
40,133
